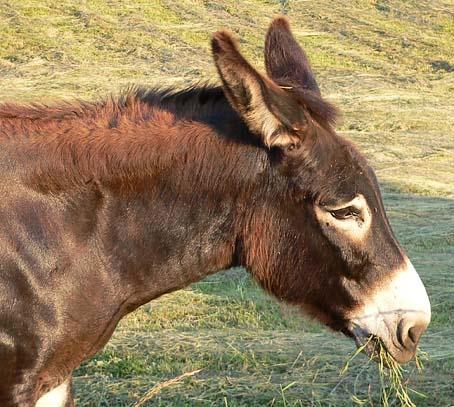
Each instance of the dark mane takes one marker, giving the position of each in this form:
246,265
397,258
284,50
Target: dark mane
193,102
206,103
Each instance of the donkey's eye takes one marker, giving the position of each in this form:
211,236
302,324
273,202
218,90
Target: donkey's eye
345,213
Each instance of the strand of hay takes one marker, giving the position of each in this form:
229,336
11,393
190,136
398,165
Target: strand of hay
158,387
395,375
393,384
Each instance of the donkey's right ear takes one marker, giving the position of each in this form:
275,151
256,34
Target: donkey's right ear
263,106
285,60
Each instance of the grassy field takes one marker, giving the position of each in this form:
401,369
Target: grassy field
387,64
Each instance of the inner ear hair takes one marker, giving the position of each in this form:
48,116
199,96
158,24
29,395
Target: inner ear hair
283,138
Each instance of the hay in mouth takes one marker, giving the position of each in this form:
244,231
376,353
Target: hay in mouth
393,380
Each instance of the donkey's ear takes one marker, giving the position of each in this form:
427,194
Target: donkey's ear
266,109
285,60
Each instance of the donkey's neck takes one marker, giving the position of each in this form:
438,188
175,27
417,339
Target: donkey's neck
174,188
182,216
214,153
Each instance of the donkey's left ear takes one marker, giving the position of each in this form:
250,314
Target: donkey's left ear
267,110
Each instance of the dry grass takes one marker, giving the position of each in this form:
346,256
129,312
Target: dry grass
388,65
156,389
393,377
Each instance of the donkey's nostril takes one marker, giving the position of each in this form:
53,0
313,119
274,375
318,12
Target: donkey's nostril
415,332
409,332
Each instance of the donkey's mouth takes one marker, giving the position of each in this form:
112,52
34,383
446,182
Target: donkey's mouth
365,341
386,345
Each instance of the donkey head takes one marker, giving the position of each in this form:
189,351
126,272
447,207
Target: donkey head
320,239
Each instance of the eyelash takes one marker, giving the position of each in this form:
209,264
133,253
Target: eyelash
345,213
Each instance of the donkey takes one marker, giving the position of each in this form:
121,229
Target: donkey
106,206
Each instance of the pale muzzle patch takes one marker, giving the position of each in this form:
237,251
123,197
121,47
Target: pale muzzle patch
395,310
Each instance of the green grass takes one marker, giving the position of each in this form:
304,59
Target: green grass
387,65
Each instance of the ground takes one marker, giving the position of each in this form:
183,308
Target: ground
388,65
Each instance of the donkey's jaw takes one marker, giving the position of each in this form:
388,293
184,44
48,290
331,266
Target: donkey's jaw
397,314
